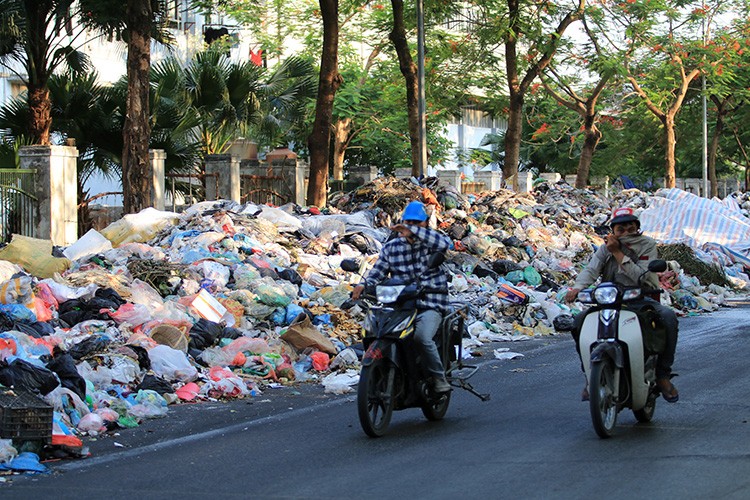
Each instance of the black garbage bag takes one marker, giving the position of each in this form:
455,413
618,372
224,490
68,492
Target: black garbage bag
64,365
504,266
564,323
22,375
291,276
144,362
91,345
154,383
230,333
482,270
267,272
6,324
512,241
76,311
37,329
457,231
111,296
204,334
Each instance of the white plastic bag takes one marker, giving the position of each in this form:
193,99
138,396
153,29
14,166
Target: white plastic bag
90,243
7,451
171,364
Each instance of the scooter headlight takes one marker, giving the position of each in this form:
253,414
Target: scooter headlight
585,297
605,295
388,294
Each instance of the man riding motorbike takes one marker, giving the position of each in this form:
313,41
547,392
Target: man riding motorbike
406,257
623,260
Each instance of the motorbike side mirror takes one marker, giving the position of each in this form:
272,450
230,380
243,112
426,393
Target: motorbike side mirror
657,266
435,259
350,265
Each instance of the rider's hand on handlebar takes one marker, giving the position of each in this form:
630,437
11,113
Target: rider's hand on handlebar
357,291
572,294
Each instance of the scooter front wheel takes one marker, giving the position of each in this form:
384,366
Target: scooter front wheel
602,398
646,413
375,397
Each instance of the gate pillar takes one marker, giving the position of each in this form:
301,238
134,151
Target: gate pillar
223,172
56,191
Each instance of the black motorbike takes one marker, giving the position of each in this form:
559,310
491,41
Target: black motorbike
392,377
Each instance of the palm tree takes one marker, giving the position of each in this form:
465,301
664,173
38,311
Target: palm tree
30,39
221,101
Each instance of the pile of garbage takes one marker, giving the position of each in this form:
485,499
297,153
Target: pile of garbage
227,300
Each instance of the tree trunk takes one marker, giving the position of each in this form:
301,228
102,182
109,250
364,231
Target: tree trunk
341,130
409,70
329,81
137,173
40,113
669,145
592,135
513,140
712,151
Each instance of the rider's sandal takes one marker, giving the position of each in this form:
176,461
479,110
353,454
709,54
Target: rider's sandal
668,390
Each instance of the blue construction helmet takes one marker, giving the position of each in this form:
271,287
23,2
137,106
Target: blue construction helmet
414,211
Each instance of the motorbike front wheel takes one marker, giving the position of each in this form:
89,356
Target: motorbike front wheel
375,397
602,398
435,410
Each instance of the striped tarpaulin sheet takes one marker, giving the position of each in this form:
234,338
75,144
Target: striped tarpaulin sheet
716,227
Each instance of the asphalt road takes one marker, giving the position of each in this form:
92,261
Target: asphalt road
534,439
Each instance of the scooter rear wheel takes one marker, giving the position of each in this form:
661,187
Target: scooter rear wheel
602,398
375,397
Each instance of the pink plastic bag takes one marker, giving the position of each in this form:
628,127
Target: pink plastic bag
218,373
133,314
320,361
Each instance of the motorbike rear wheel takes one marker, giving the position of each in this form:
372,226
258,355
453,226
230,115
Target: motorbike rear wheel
375,397
602,398
646,413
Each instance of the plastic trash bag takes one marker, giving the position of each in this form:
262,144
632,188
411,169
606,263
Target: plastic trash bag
65,368
272,296
132,314
34,255
17,291
87,245
7,451
138,227
531,276
22,375
91,424
18,312
171,364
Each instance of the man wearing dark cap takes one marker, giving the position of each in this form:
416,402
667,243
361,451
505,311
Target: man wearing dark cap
623,259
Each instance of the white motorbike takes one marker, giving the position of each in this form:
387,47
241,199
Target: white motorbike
619,343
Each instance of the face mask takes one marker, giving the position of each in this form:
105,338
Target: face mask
630,239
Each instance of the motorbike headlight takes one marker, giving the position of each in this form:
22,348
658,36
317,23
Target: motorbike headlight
633,293
605,295
388,294
585,297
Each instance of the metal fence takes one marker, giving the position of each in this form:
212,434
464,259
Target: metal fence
17,202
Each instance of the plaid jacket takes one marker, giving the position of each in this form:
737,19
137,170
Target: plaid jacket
401,259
